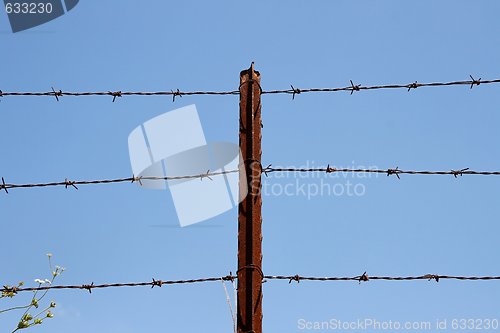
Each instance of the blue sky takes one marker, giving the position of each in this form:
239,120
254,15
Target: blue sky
121,233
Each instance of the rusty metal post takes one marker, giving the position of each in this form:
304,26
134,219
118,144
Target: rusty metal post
249,319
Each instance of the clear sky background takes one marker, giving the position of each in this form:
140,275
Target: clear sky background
122,233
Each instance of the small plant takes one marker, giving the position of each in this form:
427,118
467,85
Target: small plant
27,319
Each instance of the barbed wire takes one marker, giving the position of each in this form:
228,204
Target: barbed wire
290,278
67,183
396,171
115,94
292,91
153,283
364,277
267,170
358,87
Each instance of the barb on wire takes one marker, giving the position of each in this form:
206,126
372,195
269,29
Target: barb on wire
136,179
267,169
413,85
393,172
354,87
115,94
156,283
293,91
206,175
88,287
363,278
294,278
176,93
474,82
57,93
458,172
69,183
359,278
329,169
3,186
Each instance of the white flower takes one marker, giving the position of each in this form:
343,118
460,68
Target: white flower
49,255
40,281
48,281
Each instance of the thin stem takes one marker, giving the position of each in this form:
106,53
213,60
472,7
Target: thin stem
15,308
46,309
229,302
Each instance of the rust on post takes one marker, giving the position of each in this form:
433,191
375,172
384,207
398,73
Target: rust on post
250,277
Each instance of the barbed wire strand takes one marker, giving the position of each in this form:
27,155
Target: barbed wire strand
115,94
66,183
396,171
267,170
92,286
228,300
290,278
358,87
364,277
292,91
